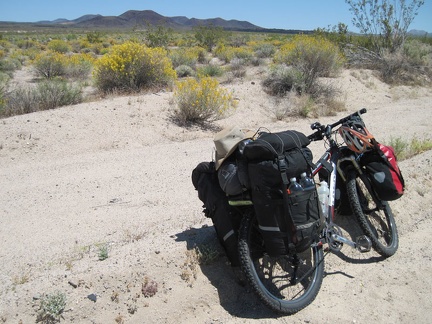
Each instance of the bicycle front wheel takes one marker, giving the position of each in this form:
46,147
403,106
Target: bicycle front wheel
287,283
375,216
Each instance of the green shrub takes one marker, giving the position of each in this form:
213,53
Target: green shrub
79,66
94,37
47,95
211,70
51,308
404,149
53,94
9,65
184,56
418,53
209,36
265,50
184,71
228,53
59,46
238,68
283,79
132,67
200,101
314,57
50,64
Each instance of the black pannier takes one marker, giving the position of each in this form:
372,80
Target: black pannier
226,219
287,222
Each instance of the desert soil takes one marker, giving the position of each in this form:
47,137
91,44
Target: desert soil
115,173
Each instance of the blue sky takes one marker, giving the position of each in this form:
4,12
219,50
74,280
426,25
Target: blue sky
285,14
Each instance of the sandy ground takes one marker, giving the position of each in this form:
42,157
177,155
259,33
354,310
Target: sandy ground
115,173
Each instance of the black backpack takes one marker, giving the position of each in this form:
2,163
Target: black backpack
226,219
288,223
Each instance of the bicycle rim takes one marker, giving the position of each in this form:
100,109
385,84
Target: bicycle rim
286,284
375,217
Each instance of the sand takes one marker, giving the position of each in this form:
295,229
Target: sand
114,174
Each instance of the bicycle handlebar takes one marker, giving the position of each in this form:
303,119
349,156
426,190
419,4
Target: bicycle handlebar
322,130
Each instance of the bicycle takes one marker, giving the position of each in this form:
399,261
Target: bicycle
289,283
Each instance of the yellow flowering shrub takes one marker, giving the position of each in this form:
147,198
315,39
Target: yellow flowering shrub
201,100
131,67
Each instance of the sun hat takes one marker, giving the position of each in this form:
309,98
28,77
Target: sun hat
226,142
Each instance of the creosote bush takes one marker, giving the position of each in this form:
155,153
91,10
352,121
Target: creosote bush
201,100
133,67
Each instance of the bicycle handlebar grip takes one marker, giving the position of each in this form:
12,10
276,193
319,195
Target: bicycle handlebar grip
363,111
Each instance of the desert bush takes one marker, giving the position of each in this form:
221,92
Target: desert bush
184,71
237,67
94,37
50,64
283,79
406,149
132,67
228,53
51,308
2,96
210,70
47,95
385,23
238,40
209,36
314,57
418,53
53,94
158,36
264,50
26,43
79,66
9,65
201,100
59,46
184,56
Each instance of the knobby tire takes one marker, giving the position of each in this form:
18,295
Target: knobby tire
286,284
375,217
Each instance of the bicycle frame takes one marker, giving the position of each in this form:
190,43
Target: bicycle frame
330,161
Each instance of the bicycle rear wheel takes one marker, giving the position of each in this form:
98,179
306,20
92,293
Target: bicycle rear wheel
375,216
286,284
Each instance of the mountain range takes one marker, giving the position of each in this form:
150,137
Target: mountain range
137,18
140,19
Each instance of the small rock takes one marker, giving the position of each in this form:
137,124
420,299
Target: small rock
72,284
92,297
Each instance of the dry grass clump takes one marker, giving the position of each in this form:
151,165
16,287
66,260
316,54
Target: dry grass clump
46,95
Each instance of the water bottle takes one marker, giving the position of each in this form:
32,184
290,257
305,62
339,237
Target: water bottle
294,186
306,182
323,195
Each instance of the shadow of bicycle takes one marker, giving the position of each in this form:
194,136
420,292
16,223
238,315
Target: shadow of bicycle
234,296
351,230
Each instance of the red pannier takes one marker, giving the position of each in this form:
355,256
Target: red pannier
384,173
